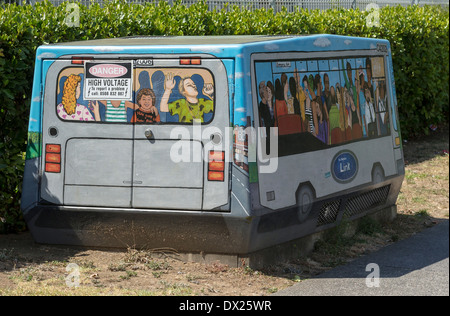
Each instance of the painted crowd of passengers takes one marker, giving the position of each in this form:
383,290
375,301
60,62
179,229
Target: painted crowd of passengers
333,113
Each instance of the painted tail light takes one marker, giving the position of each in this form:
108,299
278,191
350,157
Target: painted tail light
216,166
76,60
190,61
53,158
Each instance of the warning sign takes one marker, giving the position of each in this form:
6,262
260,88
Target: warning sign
108,81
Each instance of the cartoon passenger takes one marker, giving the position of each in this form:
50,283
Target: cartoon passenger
265,114
115,110
191,107
69,109
320,114
352,99
343,115
147,112
264,110
369,117
308,109
334,115
347,99
369,77
281,107
326,93
351,88
294,94
301,97
270,95
383,114
361,99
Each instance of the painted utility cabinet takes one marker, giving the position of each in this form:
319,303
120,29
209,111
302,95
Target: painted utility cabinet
221,144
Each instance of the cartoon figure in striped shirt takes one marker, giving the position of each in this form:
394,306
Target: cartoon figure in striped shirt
115,111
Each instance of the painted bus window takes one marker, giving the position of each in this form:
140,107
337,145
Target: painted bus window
158,95
335,100
182,95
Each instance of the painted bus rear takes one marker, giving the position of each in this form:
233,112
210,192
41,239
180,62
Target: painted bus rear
209,144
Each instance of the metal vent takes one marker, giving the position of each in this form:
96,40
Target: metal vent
365,201
328,212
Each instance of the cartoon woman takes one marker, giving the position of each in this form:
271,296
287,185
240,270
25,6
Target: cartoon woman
320,121
347,99
147,112
69,109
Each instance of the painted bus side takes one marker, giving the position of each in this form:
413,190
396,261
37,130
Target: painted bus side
250,173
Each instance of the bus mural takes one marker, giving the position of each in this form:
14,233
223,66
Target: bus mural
227,144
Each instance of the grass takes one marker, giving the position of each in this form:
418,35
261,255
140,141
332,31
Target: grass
128,275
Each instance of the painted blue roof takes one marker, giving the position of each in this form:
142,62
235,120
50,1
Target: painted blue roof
220,46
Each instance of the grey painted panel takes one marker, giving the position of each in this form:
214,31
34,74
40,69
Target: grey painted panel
84,151
98,162
97,196
156,164
167,198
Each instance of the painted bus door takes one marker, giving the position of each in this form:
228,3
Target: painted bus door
93,165
170,152
105,150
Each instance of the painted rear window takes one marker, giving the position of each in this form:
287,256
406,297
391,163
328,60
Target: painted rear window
117,92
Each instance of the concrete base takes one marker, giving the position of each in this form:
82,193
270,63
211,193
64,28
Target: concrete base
291,250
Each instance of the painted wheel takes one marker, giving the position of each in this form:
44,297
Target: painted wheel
305,200
377,174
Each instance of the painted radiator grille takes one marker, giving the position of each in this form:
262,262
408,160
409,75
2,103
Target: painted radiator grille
328,212
365,201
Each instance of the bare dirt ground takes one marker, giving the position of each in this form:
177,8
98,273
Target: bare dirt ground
27,268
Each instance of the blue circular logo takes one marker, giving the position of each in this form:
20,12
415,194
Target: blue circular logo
344,166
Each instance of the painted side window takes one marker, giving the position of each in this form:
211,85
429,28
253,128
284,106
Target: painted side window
335,100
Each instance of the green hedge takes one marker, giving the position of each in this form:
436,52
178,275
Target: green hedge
419,38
